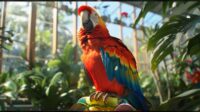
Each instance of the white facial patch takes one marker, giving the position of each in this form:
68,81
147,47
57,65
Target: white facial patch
94,18
84,16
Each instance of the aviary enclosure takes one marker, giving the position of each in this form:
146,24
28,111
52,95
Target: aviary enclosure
40,62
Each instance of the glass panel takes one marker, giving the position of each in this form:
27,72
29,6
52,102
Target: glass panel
113,29
44,24
17,22
65,25
128,38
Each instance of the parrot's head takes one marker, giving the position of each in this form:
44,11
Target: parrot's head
91,22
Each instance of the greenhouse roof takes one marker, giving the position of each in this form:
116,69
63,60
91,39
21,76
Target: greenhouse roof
139,4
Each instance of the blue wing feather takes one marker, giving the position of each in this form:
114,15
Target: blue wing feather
115,69
124,75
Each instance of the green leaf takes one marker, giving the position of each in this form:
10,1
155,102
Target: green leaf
194,45
176,24
189,93
53,82
23,87
157,59
44,82
194,5
37,78
10,94
63,94
10,85
53,63
164,8
146,8
188,100
2,105
4,77
169,30
162,51
56,78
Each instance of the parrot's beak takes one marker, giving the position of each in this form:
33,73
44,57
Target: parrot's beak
85,21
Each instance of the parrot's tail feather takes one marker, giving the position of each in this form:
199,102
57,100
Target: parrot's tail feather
138,101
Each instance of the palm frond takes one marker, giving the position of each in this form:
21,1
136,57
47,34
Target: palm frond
161,42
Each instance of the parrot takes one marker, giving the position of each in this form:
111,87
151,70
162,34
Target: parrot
109,64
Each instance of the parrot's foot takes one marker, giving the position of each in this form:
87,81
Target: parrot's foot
101,95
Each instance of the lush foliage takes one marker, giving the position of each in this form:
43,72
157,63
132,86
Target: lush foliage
50,86
171,45
6,38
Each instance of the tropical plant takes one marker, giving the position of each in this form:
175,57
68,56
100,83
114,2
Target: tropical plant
176,27
176,40
185,101
49,87
6,40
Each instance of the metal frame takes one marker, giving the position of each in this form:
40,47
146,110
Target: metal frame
3,16
31,35
120,18
157,10
75,26
55,29
135,44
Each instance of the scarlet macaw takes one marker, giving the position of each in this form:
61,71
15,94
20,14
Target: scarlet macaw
108,62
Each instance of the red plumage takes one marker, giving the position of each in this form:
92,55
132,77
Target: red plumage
91,43
96,71
108,62
84,7
100,38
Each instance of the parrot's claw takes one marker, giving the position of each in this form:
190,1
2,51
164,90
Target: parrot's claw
101,95
96,95
105,97
91,96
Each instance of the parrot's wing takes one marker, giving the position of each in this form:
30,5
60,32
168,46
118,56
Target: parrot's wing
120,64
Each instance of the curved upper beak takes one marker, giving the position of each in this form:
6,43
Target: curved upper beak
85,20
